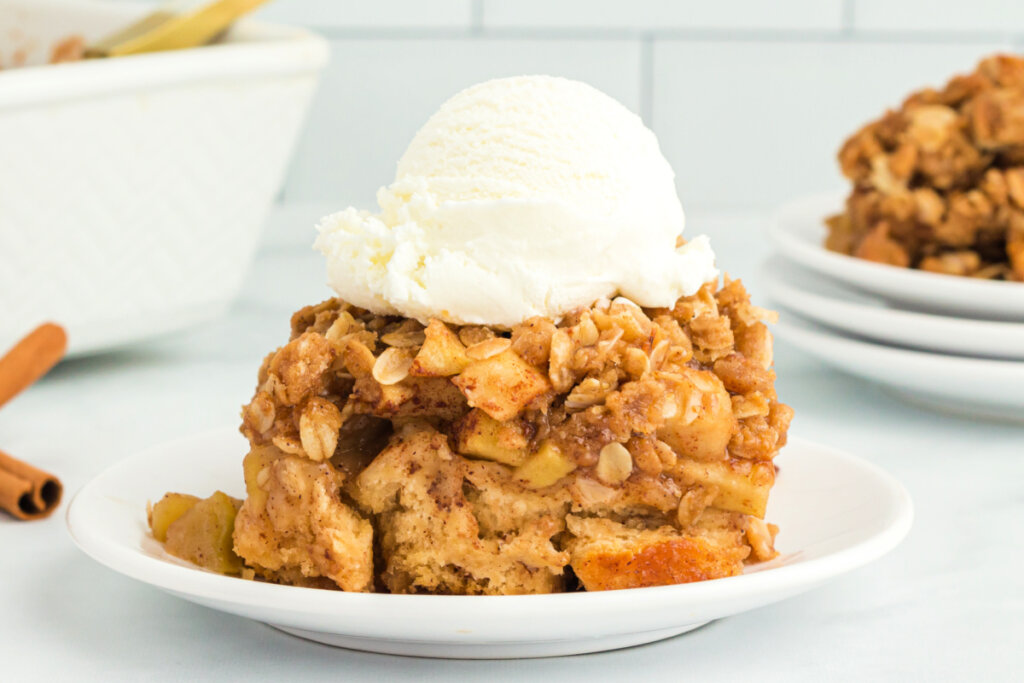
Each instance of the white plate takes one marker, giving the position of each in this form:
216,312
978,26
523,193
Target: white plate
836,513
973,387
832,304
799,232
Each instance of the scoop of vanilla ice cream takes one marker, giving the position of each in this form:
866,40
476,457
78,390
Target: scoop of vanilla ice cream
520,197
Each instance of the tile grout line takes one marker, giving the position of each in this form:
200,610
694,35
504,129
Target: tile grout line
647,79
476,17
848,14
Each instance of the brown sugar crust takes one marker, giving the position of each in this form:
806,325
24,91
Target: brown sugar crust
939,182
610,556
617,447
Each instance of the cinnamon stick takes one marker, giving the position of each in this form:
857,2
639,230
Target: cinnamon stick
27,492
30,359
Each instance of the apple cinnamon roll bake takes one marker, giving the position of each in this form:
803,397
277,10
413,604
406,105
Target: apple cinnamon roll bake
621,447
529,382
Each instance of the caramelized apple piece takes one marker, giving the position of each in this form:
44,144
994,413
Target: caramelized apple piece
442,354
203,534
545,467
167,511
502,385
480,435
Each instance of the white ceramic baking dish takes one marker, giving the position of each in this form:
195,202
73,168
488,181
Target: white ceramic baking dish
133,190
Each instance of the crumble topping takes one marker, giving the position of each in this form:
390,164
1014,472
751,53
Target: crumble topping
939,182
620,447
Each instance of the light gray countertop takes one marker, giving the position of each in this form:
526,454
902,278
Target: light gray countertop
948,604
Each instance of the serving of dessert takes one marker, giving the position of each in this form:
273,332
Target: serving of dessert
939,182
528,382
938,191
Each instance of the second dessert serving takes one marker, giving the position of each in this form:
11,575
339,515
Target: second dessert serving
939,182
529,382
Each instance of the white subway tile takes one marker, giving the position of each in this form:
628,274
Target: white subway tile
953,16
377,93
664,14
757,123
371,14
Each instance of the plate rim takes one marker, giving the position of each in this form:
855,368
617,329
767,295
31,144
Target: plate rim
191,582
962,387
819,308
898,354
876,277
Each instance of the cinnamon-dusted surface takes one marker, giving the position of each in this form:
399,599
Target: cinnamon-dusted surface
619,447
939,182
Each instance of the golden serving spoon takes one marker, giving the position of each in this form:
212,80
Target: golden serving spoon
173,28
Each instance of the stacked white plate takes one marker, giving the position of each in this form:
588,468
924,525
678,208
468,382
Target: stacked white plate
950,343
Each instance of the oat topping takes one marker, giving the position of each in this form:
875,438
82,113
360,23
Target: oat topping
939,182
492,461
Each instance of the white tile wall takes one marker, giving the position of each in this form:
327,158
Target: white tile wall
750,98
756,123
377,93
949,16
660,15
